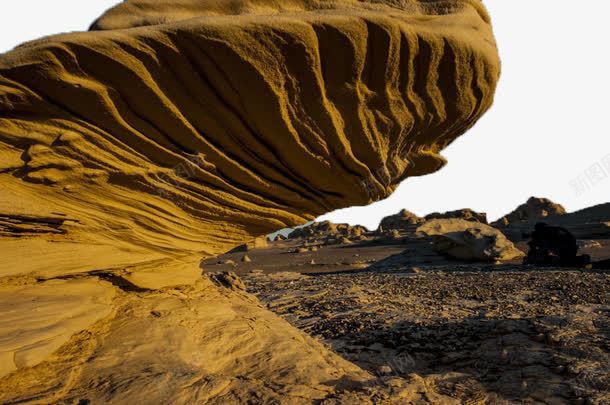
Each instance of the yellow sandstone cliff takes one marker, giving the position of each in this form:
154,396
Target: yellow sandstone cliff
174,131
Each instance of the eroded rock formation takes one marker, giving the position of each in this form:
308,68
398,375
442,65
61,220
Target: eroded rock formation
588,223
221,128
465,213
404,220
469,240
534,209
178,130
327,229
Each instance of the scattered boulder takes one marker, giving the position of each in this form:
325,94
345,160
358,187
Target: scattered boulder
467,240
588,244
357,231
327,229
465,214
230,280
385,370
246,259
404,220
257,243
227,262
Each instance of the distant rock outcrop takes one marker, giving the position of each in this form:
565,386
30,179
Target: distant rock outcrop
327,229
588,223
465,214
404,220
470,241
534,209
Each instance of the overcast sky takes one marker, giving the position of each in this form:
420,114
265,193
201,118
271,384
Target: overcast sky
546,135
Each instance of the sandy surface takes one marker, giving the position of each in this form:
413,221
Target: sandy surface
203,343
477,335
38,319
378,252
284,257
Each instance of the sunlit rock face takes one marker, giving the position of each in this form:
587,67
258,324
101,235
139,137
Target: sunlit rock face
177,130
469,240
232,119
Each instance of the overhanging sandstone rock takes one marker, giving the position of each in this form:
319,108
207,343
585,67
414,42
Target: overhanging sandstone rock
182,130
222,128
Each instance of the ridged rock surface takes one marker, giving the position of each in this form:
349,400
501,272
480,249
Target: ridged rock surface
469,240
195,135
178,130
404,220
588,223
465,213
534,209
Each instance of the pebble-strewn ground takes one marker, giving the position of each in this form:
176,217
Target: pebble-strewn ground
480,336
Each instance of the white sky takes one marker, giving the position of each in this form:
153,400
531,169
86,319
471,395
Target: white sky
547,130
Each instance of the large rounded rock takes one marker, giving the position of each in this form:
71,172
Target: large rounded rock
534,209
465,213
326,229
404,220
467,240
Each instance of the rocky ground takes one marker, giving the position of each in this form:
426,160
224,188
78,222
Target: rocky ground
430,328
292,256
476,333
398,315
